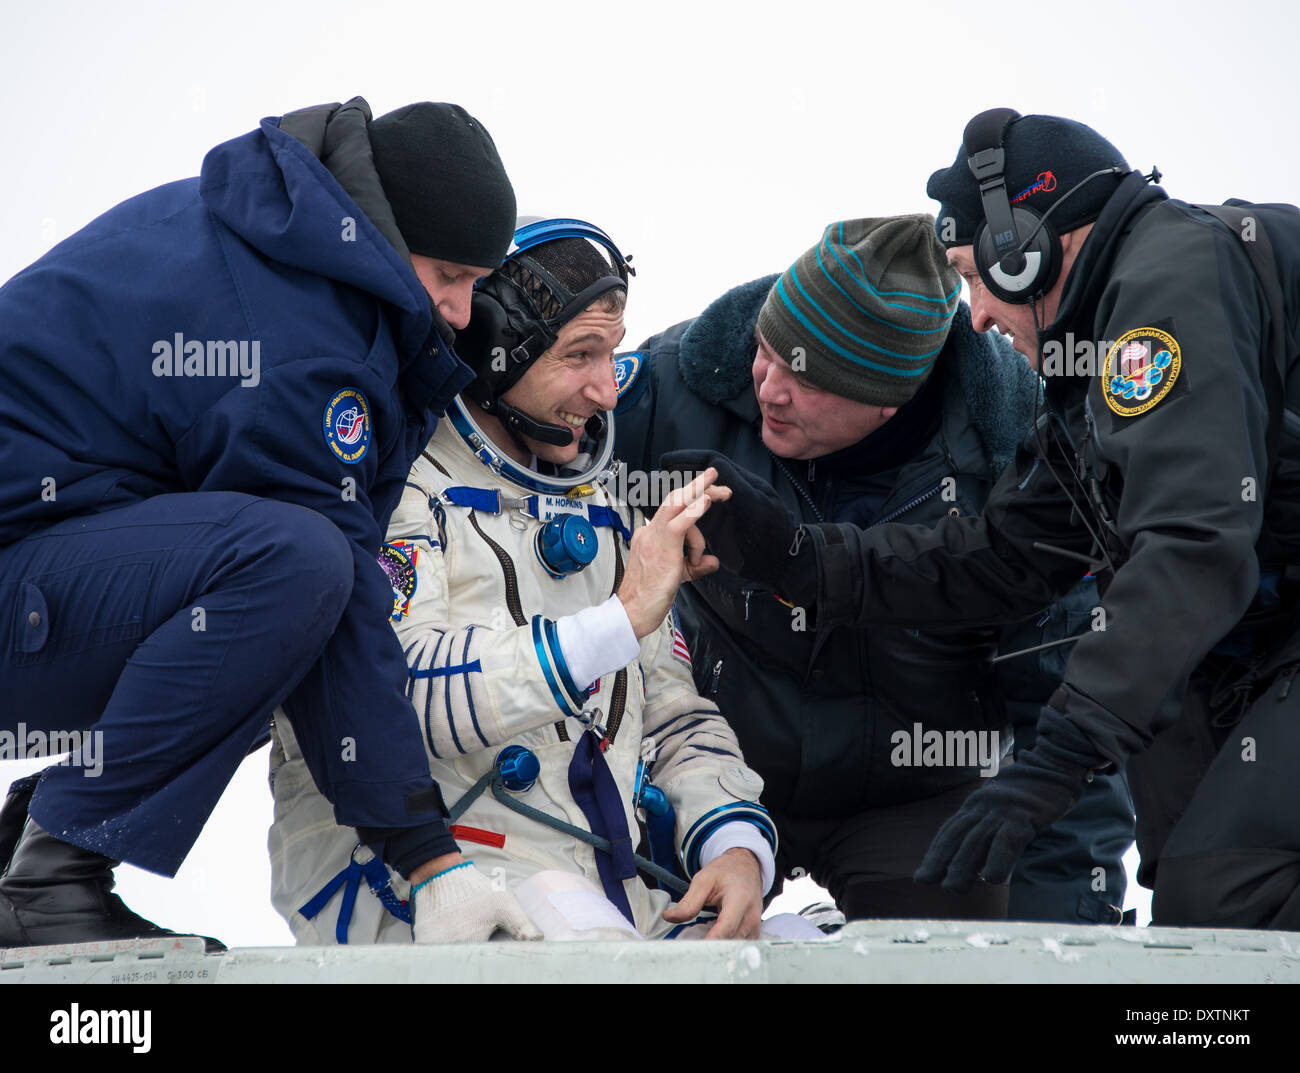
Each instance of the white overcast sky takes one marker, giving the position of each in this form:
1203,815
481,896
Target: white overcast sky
713,141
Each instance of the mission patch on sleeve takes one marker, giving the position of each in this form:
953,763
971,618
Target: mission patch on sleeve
1141,368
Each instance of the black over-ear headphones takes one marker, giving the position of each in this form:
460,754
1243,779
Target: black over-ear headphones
1015,269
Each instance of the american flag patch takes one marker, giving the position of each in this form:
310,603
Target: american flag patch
679,646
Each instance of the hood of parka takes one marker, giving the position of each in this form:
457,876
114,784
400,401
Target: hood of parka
303,191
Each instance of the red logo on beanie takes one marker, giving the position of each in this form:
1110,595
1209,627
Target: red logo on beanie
1045,183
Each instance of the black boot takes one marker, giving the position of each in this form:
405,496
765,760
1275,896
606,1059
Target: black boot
13,815
54,892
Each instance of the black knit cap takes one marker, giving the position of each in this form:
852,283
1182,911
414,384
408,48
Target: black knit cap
445,182
1045,157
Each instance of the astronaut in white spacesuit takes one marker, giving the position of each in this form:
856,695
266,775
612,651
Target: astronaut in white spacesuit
553,691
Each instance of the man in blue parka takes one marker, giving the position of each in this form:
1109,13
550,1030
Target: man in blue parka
209,400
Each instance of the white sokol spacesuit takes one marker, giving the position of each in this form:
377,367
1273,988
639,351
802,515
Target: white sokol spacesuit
498,648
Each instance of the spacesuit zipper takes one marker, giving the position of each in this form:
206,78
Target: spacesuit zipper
507,569
513,604
441,469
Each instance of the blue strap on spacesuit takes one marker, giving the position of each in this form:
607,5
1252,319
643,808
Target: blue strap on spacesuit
599,516
596,793
484,499
491,501
376,876
660,826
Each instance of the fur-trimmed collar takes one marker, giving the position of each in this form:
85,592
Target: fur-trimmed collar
998,386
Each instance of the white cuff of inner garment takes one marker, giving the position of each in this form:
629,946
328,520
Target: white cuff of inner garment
741,835
597,641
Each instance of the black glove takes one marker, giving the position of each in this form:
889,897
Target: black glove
986,836
753,534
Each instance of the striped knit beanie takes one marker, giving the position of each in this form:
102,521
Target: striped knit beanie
867,309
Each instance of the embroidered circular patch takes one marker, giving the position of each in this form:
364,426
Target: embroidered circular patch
626,366
1140,369
347,425
398,561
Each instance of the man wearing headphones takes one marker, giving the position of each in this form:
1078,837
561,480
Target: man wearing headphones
552,689
1166,459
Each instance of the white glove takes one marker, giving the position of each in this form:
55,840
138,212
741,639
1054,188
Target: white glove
460,905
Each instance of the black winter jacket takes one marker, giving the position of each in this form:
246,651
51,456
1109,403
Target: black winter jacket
1172,480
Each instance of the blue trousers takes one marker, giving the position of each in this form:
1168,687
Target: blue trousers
171,628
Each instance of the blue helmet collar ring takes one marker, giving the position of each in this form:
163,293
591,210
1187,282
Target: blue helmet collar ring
590,467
